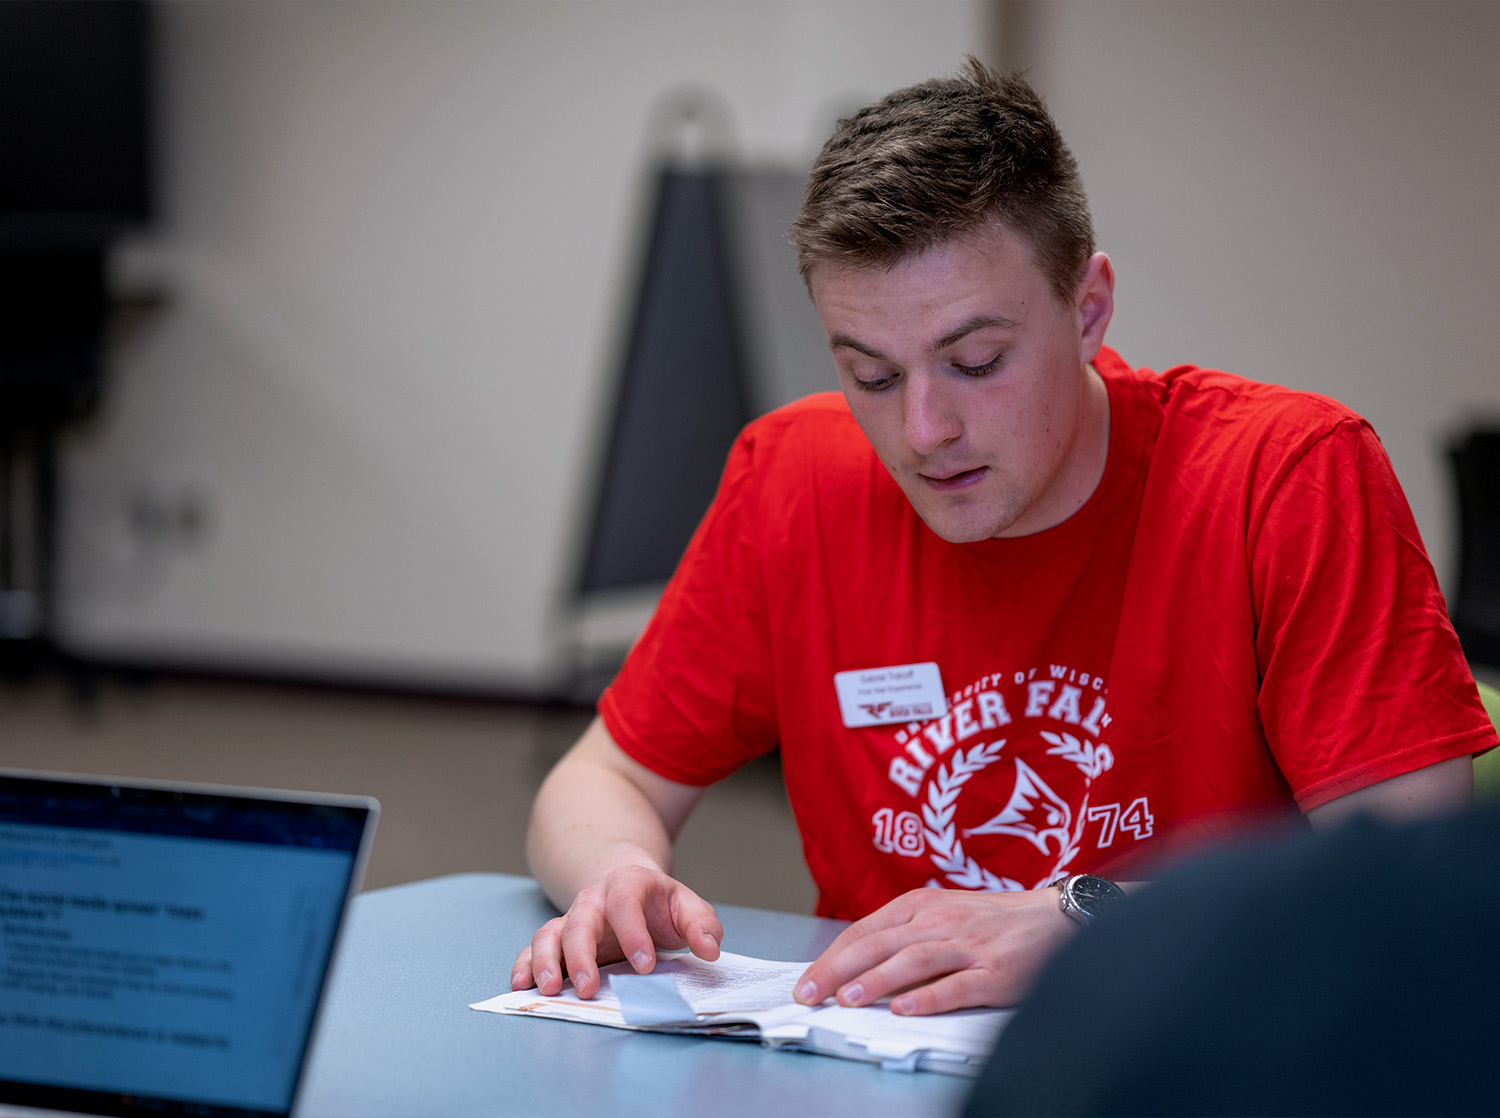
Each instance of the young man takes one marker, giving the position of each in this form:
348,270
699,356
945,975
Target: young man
1011,609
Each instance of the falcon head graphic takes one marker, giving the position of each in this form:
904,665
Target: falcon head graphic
1034,813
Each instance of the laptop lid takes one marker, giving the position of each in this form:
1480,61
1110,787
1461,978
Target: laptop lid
164,947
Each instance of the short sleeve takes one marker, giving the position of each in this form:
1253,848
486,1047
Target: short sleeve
695,698
1362,677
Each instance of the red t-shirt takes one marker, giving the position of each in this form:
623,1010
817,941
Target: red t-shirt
1242,617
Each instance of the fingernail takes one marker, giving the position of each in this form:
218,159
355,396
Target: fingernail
807,993
903,1005
543,978
853,995
580,979
641,960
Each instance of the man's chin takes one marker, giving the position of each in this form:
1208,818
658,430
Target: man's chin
961,518
962,529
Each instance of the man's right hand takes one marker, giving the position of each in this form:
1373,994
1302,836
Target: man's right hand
626,914
600,845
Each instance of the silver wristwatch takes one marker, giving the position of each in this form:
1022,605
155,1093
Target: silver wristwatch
1086,897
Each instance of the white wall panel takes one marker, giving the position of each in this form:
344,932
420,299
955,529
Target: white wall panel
395,243
1300,192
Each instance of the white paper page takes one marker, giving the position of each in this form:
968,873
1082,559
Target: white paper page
733,984
969,1031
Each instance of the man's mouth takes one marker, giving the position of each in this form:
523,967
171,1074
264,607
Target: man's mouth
955,480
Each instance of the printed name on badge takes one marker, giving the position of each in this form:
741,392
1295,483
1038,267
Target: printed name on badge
899,693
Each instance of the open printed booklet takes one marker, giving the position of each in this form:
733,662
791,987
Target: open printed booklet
751,999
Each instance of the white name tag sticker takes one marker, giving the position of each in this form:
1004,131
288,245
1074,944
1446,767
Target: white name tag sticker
899,693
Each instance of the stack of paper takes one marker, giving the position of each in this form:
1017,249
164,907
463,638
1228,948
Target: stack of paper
737,996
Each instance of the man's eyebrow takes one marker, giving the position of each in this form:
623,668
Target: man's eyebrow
978,322
846,341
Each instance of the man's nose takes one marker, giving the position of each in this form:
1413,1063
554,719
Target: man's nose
930,418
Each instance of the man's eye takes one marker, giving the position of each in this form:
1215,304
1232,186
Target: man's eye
876,385
981,370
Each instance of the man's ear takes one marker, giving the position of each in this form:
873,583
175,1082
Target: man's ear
1095,300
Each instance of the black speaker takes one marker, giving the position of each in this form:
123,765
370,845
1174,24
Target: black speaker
74,172
74,119
1475,608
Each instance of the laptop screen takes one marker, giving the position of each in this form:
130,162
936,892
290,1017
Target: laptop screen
164,950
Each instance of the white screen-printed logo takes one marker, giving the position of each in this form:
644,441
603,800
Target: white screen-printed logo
882,696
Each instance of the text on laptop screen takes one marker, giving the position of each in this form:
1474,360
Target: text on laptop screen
165,945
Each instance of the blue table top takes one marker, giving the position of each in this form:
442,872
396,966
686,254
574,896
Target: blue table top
397,1036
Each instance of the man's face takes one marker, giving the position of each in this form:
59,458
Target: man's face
970,378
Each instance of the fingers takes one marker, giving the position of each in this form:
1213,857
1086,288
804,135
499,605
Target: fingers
857,948
627,914
936,950
962,990
520,971
590,934
540,964
928,977
697,924
659,912
852,971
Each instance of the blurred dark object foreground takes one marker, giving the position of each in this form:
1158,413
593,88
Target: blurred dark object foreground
1349,973
1476,600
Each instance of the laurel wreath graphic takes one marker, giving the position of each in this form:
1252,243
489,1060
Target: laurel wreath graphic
943,844
1091,760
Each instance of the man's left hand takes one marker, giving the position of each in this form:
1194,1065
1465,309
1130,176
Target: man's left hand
941,949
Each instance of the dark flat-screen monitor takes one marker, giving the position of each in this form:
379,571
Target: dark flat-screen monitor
74,119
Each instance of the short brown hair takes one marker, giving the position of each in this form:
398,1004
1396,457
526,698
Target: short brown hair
940,159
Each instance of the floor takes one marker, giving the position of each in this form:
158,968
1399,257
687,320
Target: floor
454,777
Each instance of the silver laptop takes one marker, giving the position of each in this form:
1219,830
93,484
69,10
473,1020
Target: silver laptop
164,947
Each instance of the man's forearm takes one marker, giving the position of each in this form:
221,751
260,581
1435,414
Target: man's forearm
586,823
593,814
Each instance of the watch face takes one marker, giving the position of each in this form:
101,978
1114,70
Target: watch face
1095,895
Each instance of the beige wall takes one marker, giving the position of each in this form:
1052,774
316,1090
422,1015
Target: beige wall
1301,192
394,248
396,238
